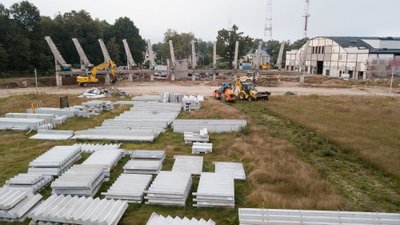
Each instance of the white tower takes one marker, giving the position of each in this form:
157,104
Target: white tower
268,22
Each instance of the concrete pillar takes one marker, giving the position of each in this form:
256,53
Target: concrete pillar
194,61
215,55
193,77
301,79
172,76
152,76
130,77
235,60
58,75
213,76
107,80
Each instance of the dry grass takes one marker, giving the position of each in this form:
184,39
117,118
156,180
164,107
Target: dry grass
369,126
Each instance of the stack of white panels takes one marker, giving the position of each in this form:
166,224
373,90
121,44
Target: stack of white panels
215,190
190,164
53,135
169,188
217,126
60,209
235,170
81,180
129,187
190,137
69,112
143,166
146,98
249,216
148,154
28,182
49,118
15,204
98,105
55,161
23,124
156,219
90,148
105,158
116,134
201,148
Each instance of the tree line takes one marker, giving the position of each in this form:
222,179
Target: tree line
23,48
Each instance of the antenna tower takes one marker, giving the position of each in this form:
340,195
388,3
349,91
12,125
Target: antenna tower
306,17
268,21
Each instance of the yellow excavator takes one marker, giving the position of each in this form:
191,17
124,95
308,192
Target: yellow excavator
91,78
247,91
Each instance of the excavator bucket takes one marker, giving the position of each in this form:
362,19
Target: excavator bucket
263,96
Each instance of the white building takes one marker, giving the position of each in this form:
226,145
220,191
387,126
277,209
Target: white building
359,57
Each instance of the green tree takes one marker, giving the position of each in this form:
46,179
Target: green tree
226,41
114,50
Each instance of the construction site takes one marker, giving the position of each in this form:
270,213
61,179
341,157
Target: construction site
305,133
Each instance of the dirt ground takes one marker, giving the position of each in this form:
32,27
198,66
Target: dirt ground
205,88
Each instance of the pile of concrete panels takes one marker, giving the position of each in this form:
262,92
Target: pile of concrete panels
53,135
60,209
90,148
49,118
156,219
129,187
170,97
105,158
98,106
143,166
191,102
249,216
28,182
232,169
201,148
80,180
68,112
215,190
146,98
24,124
16,204
148,154
169,188
144,122
214,125
55,161
190,137
190,164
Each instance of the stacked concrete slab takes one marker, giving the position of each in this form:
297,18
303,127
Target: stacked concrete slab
148,154
53,135
68,112
28,182
129,187
143,166
190,137
143,122
169,188
146,98
215,190
156,219
249,216
98,106
23,124
55,161
191,164
233,169
49,118
90,148
16,204
80,180
201,148
104,158
60,209
215,125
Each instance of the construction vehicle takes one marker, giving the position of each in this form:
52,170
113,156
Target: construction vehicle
264,66
247,91
91,77
225,93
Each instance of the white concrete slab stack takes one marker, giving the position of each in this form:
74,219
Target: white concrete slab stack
215,190
23,124
233,169
80,180
213,125
49,118
60,209
53,135
148,154
90,148
16,204
156,219
146,98
143,166
249,216
129,187
190,137
105,158
28,182
55,161
169,188
191,164
201,148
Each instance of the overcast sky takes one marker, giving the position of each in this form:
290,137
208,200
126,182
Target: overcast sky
205,17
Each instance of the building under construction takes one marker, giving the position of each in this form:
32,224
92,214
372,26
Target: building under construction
352,57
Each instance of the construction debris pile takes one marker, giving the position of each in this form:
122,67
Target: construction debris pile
102,92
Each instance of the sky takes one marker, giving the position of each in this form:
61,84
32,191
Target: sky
205,17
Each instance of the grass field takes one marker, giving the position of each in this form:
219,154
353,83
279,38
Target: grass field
285,163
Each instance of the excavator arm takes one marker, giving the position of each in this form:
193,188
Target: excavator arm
92,77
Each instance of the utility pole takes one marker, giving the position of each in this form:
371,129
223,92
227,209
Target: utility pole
306,17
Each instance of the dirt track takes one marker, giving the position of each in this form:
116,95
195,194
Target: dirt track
201,88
